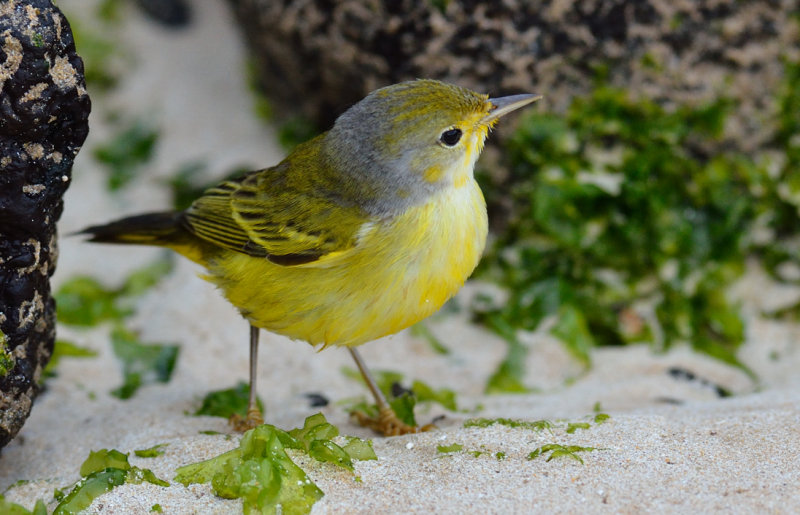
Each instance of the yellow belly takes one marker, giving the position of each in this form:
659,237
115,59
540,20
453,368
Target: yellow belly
402,271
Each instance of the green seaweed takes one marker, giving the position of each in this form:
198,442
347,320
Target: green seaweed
402,400
359,449
65,349
421,330
186,187
263,475
151,452
101,472
10,508
141,363
126,153
156,508
601,418
295,130
84,301
574,426
537,425
560,451
228,402
7,361
446,449
623,228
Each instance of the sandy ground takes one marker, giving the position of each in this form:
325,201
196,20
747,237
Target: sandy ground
671,444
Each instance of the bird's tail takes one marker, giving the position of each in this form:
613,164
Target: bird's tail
160,229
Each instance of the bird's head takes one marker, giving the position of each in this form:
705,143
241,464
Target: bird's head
413,139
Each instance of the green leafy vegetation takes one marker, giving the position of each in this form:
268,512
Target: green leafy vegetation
421,330
101,472
601,417
84,301
65,349
446,449
141,363
228,402
574,426
401,399
152,452
10,508
624,228
6,359
560,451
126,152
537,425
186,185
102,59
263,475
156,508
296,130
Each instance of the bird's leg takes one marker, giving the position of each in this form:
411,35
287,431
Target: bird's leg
254,417
387,422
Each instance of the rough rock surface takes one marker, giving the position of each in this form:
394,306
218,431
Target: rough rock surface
318,57
44,109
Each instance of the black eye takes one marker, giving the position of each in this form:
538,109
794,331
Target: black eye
450,137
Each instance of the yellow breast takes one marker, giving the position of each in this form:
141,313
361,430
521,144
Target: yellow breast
403,270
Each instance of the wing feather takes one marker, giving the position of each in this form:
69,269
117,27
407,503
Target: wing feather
263,214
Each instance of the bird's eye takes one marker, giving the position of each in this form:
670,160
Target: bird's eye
450,137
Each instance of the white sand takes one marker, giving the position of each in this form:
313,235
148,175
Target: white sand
704,454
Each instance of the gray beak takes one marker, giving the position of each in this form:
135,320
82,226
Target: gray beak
505,105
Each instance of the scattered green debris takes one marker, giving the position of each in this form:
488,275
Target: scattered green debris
446,449
10,508
261,104
228,402
359,449
574,426
509,376
296,130
262,474
152,452
421,330
156,508
109,11
6,359
537,425
102,471
601,417
84,301
103,60
142,279
141,363
500,455
186,187
623,228
402,400
126,152
65,349
560,451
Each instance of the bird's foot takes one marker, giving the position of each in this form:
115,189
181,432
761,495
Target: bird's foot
387,423
242,424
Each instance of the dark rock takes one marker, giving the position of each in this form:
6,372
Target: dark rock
318,57
44,110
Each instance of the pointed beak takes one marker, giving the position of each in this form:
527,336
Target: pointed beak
504,105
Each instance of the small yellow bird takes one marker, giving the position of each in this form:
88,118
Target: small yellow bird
359,233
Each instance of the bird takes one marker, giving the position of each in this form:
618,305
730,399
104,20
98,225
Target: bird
357,234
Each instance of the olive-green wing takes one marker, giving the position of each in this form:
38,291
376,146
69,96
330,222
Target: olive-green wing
262,214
